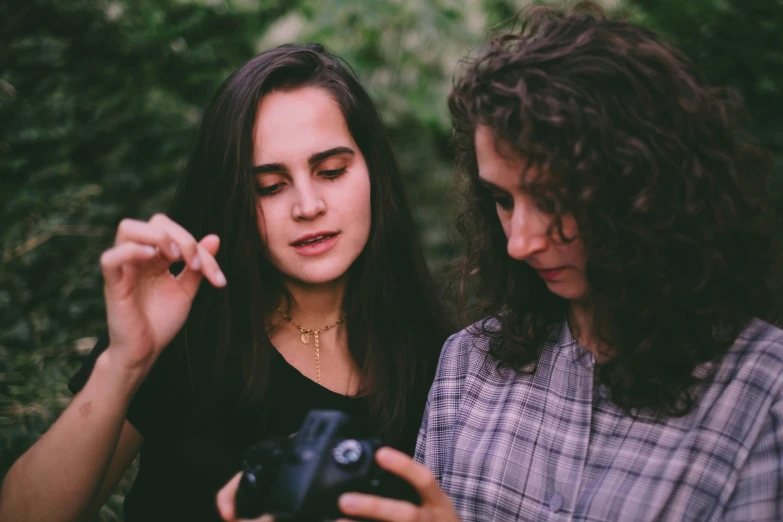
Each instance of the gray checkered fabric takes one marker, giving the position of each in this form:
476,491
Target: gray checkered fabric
553,447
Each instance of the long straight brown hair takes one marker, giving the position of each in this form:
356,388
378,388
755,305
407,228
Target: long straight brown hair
395,322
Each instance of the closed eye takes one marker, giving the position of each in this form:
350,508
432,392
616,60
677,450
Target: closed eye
504,202
332,174
269,189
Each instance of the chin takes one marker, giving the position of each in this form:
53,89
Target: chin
319,275
572,293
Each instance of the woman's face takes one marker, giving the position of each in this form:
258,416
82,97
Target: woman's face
313,186
527,227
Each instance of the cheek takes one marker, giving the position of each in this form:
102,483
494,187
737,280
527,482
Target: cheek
570,229
574,251
505,220
262,217
358,198
574,254
359,208
269,223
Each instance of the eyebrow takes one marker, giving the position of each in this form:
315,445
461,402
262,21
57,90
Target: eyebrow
488,184
314,159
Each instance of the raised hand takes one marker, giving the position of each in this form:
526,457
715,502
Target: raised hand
145,304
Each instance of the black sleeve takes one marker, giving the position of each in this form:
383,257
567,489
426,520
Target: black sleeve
149,409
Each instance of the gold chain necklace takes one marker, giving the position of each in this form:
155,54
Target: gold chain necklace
305,338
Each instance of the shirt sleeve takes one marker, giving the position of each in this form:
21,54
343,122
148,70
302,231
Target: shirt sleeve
758,495
433,447
150,409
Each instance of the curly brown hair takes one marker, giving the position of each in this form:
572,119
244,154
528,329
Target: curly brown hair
667,188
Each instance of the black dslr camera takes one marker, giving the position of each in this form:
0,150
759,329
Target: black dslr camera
301,478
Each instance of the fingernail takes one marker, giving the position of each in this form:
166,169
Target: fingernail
220,279
348,501
384,453
150,251
195,264
175,251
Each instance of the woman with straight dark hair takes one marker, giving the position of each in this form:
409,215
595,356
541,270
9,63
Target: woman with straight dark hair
317,297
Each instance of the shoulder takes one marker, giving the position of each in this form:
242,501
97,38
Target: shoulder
760,338
759,349
475,338
754,362
467,348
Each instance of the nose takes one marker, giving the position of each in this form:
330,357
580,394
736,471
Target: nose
309,204
528,234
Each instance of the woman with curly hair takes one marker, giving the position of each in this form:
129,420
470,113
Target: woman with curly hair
619,238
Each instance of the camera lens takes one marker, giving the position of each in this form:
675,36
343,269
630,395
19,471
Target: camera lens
348,453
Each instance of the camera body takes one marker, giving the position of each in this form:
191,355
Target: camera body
302,477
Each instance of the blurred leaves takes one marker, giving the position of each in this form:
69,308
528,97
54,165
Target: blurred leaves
99,101
98,104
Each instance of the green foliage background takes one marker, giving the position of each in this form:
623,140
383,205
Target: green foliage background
99,100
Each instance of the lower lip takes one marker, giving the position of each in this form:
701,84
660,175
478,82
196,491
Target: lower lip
550,275
318,248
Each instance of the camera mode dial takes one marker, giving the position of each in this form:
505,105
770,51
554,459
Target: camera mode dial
348,452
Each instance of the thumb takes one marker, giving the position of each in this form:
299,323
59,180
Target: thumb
190,279
210,243
226,498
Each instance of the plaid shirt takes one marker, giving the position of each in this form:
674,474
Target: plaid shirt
552,446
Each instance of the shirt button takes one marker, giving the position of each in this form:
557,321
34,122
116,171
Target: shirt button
603,391
556,502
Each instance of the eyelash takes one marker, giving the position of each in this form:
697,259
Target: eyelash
333,174
545,206
503,202
268,191
271,190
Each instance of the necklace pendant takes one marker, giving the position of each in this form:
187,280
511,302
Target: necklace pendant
305,337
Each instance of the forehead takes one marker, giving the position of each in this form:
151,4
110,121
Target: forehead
499,162
296,123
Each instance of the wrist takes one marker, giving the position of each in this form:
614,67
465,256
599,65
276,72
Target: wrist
113,375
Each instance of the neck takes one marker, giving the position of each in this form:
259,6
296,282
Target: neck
580,321
314,306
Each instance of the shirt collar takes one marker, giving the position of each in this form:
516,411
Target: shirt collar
567,346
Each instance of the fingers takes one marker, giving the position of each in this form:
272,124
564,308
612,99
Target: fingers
211,243
113,260
393,510
190,279
184,240
173,243
226,498
207,248
413,472
133,231
171,240
378,508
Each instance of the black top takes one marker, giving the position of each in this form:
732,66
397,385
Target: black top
182,465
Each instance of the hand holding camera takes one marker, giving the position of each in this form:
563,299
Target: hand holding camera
327,471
